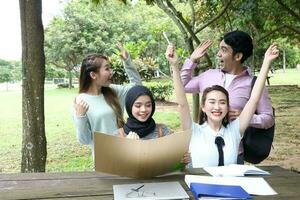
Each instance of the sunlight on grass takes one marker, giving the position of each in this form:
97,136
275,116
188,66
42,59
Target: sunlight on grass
170,119
289,77
64,152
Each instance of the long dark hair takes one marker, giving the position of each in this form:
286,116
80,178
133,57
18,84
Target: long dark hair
203,117
93,63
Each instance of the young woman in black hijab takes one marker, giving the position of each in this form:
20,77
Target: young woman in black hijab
140,107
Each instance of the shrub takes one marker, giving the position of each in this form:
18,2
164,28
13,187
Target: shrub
119,75
161,90
146,68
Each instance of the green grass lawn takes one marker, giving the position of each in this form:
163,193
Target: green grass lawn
289,77
66,154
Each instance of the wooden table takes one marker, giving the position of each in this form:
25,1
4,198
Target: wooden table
94,185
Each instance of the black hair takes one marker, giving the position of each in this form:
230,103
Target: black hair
93,63
240,42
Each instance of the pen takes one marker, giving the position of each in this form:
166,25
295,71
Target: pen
169,43
137,189
166,37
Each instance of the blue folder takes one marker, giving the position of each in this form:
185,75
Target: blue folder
213,190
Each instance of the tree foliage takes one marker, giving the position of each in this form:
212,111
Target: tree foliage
54,72
10,71
84,29
265,21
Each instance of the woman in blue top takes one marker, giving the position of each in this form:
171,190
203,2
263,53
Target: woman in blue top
215,141
99,105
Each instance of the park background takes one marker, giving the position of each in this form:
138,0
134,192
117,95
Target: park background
81,27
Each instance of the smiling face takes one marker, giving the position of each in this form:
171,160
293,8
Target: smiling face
142,108
103,76
215,106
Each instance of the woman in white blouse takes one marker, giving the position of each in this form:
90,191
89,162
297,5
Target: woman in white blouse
215,140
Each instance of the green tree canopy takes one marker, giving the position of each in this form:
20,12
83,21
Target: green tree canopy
84,28
10,71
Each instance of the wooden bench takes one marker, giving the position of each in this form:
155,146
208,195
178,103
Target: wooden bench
96,185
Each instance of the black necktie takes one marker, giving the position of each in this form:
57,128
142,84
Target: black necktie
220,143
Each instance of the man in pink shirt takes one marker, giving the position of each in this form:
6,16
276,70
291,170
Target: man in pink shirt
236,78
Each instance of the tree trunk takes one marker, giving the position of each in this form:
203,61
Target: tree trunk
70,78
284,65
34,150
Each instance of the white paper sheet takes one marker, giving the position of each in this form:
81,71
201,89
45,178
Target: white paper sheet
254,186
235,170
143,191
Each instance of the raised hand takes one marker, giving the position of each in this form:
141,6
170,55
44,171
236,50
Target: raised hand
271,53
200,51
81,107
133,135
171,55
123,52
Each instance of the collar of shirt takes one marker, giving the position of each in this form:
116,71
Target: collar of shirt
246,72
207,128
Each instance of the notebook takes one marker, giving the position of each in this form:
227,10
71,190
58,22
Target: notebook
252,185
204,190
235,170
157,191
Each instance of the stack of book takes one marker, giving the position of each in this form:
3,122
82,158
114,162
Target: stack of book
226,183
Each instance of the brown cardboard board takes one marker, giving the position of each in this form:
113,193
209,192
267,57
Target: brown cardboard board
139,158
